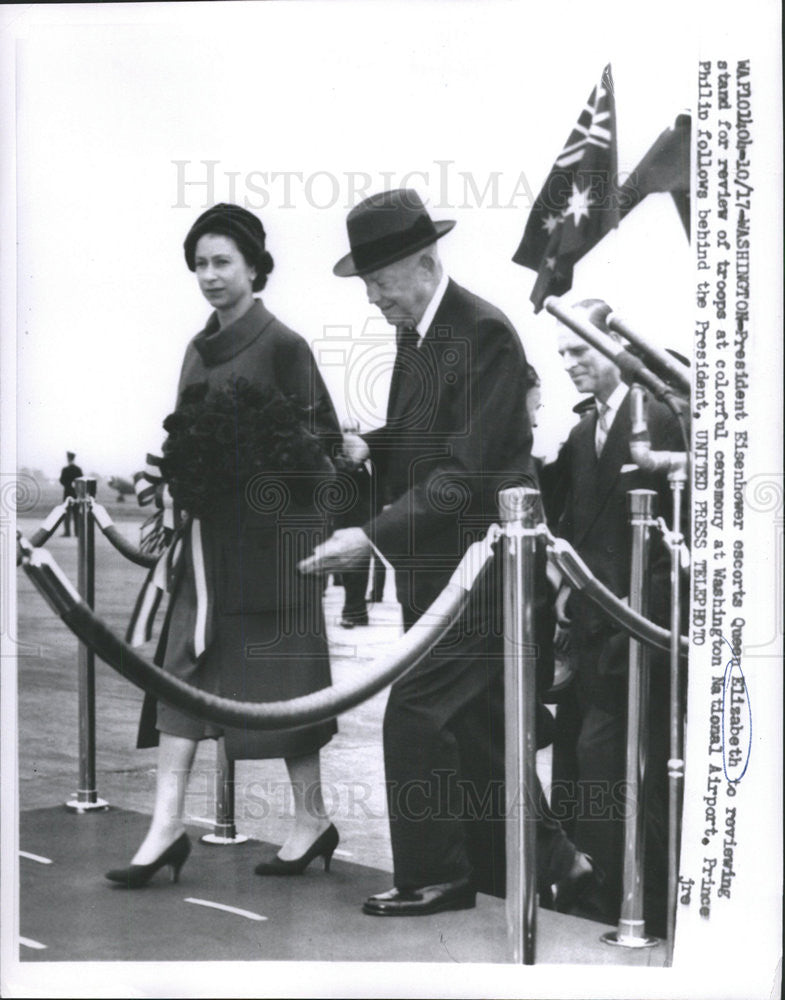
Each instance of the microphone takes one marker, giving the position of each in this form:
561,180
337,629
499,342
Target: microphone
662,363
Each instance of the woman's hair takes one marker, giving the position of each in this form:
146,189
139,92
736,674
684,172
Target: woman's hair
239,225
531,377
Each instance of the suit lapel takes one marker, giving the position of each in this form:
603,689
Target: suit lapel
443,317
414,384
616,451
393,400
601,474
585,500
406,386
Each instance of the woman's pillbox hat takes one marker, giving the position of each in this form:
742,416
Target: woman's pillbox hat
238,223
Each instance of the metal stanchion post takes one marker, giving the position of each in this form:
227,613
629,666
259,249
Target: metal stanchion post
86,799
224,830
677,480
519,509
631,930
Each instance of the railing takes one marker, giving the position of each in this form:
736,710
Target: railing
519,512
88,514
517,539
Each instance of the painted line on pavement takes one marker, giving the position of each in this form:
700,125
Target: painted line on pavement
248,914
30,943
35,857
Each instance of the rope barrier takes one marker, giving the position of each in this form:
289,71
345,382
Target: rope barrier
63,599
53,519
58,592
49,525
123,546
581,578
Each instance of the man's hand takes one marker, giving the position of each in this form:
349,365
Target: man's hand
354,448
344,549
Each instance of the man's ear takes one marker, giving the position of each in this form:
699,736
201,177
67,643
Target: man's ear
428,263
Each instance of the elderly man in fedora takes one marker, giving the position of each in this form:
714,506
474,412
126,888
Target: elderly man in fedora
456,431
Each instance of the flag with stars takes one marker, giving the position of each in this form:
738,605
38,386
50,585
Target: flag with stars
578,203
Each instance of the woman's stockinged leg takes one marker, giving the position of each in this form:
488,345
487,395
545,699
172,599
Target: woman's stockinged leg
310,815
175,760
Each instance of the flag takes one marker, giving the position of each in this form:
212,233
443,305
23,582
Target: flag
578,203
666,167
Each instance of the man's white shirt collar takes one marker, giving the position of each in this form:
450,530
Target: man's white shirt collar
613,402
433,305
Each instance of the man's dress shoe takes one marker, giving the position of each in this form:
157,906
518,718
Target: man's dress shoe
573,893
351,618
420,902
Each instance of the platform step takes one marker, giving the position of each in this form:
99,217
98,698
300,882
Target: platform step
219,910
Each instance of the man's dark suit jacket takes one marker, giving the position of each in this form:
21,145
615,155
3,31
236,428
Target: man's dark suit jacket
590,742
595,520
456,432
68,474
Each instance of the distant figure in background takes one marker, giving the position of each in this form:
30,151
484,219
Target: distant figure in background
68,474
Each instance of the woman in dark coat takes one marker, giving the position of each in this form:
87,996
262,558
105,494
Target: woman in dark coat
241,622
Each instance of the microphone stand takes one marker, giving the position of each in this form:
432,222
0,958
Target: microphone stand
667,367
637,375
675,542
675,463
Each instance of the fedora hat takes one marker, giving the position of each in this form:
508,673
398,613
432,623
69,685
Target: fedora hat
385,228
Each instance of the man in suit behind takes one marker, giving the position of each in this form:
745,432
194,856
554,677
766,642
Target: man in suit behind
590,744
456,432
68,474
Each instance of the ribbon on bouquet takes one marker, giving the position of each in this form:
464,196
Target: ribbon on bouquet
165,577
149,486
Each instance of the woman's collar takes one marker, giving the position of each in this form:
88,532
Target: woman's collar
216,344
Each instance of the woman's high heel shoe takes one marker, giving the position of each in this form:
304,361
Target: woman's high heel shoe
323,846
135,876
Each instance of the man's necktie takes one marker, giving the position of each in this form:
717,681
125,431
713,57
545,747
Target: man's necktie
406,339
603,426
406,336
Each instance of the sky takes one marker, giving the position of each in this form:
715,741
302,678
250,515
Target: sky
131,123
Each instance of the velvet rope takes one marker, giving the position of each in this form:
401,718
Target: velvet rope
123,546
318,706
56,589
48,526
581,578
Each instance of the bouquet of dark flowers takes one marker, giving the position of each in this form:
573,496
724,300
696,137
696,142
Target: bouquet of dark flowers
219,439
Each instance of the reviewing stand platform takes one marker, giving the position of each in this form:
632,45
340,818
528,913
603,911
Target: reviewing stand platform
221,911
